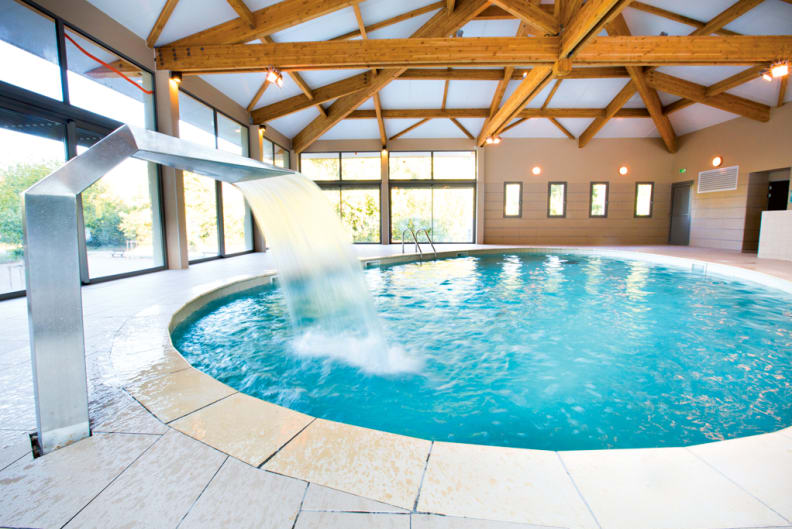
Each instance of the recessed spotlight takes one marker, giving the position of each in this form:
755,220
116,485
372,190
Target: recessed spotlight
623,170
779,69
275,77
536,170
717,161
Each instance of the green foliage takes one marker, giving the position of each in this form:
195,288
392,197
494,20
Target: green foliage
13,181
362,217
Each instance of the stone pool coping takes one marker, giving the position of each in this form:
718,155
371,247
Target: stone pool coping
743,482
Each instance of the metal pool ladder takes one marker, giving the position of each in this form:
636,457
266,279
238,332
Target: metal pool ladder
417,244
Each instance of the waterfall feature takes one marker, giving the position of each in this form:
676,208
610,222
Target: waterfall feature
330,305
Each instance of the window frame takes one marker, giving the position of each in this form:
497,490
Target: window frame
520,202
431,183
25,101
549,196
651,200
342,184
221,250
591,200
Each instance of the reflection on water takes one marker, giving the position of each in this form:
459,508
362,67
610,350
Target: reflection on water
553,352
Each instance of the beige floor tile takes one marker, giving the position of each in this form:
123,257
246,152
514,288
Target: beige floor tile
430,521
244,427
176,394
138,366
15,446
760,464
346,520
48,491
667,488
125,415
321,498
241,496
377,465
157,490
505,484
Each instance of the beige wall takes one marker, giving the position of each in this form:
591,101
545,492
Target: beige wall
562,160
719,219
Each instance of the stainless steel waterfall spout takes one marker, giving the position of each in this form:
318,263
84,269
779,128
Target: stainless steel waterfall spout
52,265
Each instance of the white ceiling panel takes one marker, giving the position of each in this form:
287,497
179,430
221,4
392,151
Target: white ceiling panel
293,123
628,128
241,87
275,93
704,75
703,10
540,98
436,128
402,30
367,105
697,117
473,125
759,90
587,93
642,23
395,126
534,128
192,16
491,28
771,17
322,28
353,129
412,94
139,17
317,78
575,125
469,94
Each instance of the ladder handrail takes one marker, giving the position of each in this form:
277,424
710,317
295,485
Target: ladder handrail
434,250
417,246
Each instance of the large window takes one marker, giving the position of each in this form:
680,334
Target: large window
556,199
351,182
598,201
50,115
218,218
644,197
433,191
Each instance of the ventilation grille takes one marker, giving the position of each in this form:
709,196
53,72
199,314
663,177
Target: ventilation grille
721,179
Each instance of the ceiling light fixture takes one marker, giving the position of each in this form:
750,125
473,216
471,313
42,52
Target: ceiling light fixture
275,77
777,70
176,77
493,140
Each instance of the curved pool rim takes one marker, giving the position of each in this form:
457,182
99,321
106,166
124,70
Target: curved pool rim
172,362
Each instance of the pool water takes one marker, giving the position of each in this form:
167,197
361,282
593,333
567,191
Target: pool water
545,351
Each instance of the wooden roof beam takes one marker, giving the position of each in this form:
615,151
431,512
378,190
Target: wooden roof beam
670,15
736,80
394,20
408,129
587,22
730,14
613,107
698,93
445,52
539,21
442,24
159,25
460,113
267,21
244,12
478,74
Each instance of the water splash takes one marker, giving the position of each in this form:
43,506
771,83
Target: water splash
329,303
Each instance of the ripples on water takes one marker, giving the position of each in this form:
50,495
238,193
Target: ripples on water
538,351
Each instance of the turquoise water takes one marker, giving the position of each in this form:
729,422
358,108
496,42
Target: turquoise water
555,352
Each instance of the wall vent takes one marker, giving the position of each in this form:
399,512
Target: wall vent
720,179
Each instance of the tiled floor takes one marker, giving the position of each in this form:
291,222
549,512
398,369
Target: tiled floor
138,472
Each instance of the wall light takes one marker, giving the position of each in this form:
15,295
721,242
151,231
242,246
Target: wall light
536,170
717,161
275,77
623,170
176,77
384,151
493,140
779,69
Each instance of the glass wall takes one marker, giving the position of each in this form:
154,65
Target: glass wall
218,219
351,182
29,50
99,91
30,149
435,191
